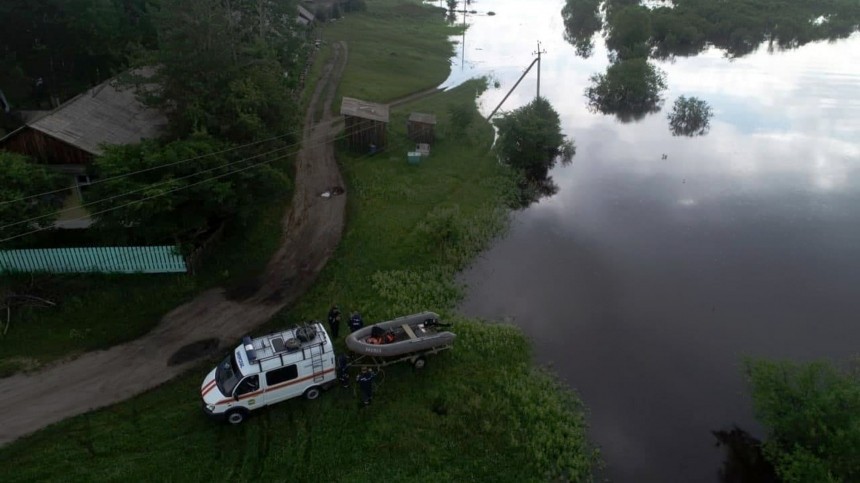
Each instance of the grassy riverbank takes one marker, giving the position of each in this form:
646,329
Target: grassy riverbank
481,412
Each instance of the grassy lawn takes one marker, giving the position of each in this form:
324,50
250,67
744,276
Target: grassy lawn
381,68
481,412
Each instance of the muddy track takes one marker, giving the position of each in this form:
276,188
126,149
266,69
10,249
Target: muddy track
312,229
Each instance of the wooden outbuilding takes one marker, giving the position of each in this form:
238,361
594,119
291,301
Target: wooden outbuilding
420,127
366,124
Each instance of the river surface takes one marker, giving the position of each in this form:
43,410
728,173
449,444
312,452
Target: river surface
663,261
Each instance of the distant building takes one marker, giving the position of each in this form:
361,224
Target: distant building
69,137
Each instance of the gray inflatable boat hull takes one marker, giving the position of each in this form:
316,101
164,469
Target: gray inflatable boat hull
416,338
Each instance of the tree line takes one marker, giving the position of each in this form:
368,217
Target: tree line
631,86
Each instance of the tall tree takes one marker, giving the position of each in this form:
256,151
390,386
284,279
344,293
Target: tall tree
224,65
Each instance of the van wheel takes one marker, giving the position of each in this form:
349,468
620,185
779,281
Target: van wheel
419,363
237,416
312,393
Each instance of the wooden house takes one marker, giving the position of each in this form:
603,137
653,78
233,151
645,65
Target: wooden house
69,137
366,124
420,127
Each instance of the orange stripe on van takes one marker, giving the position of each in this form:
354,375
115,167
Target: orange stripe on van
278,386
207,387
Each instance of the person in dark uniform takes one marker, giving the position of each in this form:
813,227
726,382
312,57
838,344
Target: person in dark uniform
355,322
365,384
334,321
343,370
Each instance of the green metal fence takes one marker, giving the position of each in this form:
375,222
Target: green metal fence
155,259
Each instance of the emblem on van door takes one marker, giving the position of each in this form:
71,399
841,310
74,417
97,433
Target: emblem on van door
251,402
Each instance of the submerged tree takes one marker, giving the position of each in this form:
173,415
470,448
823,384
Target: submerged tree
531,142
690,117
581,21
628,31
812,416
630,89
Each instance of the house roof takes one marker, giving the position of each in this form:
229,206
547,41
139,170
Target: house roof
106,114
422,118
364,109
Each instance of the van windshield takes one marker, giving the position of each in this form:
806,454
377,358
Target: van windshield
227,376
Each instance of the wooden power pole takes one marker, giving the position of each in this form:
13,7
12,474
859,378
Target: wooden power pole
538,52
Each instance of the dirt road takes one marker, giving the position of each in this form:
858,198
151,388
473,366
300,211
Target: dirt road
312,230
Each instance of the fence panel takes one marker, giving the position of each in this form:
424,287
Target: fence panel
154,259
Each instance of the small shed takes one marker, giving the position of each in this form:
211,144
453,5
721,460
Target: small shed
366,123
420,127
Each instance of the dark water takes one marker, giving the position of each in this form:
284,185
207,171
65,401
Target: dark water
663,261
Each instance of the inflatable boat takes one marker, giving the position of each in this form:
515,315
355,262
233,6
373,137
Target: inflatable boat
403,335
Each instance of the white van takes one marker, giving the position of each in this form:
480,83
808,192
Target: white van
270,369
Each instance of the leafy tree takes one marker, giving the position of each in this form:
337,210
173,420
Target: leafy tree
222,66
581,21
530,139
20,178
68,44
180,202
690,117
629,89
812,415
629,31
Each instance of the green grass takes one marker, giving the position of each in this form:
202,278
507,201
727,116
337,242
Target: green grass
381,68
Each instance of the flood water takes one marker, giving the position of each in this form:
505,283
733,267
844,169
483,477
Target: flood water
663,261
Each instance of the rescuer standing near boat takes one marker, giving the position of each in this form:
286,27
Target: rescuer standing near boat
365,384
355,322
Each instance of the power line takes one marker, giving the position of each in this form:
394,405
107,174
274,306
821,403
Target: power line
152,168
161,183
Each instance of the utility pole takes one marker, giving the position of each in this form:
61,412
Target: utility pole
538,52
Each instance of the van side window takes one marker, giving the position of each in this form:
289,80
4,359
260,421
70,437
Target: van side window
280,375
249,384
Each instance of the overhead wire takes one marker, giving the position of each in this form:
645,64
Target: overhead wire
30,220
174,163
